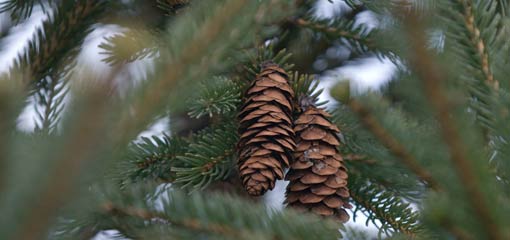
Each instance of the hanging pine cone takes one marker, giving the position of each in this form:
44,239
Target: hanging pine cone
267,137
318,177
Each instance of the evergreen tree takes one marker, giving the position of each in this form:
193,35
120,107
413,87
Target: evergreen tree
428,157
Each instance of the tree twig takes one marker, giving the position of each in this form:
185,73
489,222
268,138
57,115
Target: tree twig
389,218
191,224
478,43
335,31
395,147
431,76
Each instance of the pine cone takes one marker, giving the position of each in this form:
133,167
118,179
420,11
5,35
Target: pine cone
267,137
318,177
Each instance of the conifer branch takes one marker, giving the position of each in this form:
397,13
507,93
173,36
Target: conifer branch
393,144
208,158
358,158
51,96
215,97
130,46
146,105
478,43
50,102
152,159
191,224
172,6
386,207
57,40
338,32
432,77
21,9
187,56
502,7
456,231
180,215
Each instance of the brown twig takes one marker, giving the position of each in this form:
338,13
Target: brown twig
332,30
395,147
358,158
478,43
191,224
215,161
431,76
456,231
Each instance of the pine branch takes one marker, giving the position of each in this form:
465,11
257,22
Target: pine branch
306,85
479,40
151,159
382,167
209,158
143,39
431,77
215,97
385,6
392,144
360,39
478,43
172,6
502,7
260,55
459,233
187,50
183,216
50,96
394,214
21,9
479,32
130,46
57,41
192,225
339,30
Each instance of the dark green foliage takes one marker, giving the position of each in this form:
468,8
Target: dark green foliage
151,159
172,7
306,86
141,213
357,36
378,204
130,46
372,159
210,157
260,55
215,97
483,67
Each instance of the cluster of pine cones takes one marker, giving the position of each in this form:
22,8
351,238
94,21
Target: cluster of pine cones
271,140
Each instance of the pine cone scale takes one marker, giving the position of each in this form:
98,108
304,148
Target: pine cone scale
266,132
318,179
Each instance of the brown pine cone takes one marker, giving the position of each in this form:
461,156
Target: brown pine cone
267,137
318,177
